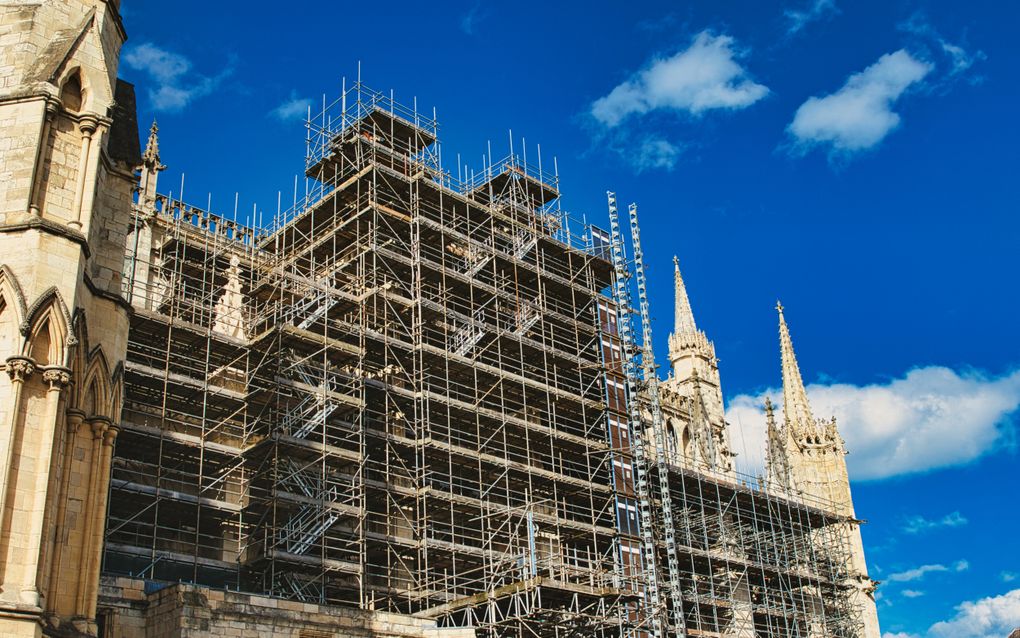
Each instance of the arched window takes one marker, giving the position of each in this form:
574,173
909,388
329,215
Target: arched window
11,314
72,95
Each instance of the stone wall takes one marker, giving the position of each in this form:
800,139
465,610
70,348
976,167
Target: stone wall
190,611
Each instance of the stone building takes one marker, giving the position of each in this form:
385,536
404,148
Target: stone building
406,407
67,169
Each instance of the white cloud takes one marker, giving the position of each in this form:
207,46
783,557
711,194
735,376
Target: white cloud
955,59
797,19
859,115
654,152
164,66
930,418
469,21
917,573
960,58
1007,577
175,86
918,524
702,77
912,593
292,108
992,617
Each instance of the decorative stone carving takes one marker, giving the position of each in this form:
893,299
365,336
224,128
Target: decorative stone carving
19,368
58,378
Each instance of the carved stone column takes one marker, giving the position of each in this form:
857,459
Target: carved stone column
99,523
99,425
73,421
19,369
56,378
88,126
35,189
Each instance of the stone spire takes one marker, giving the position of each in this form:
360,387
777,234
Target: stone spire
683,318
687,342
796,408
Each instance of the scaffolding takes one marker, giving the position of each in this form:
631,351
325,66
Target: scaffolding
418,392
738,560
402,409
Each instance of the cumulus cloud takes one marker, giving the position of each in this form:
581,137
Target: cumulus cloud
917,573
703,77
175,85
797,19
919,524
859,115
992,617
292,108
930,418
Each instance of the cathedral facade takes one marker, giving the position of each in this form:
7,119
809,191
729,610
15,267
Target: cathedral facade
388,414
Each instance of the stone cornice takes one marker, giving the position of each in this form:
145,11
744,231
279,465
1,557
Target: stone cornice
30,222
109,296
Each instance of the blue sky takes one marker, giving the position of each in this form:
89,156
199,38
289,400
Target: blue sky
858,160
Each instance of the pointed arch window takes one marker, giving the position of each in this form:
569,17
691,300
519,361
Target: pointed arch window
72,93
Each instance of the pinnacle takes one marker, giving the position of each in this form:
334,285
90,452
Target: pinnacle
796,408
683,322
150,157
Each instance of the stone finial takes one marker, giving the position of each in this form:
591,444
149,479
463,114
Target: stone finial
150,158
150,169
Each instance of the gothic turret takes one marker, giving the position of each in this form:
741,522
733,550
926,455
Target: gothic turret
699,436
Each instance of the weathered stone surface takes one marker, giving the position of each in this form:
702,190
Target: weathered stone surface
181,610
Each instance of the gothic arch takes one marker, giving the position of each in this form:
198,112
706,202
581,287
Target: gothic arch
96,396
73,91
116,391
12,313
78,361
46,328
673,427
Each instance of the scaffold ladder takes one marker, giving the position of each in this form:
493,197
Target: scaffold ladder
651,380
621,296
